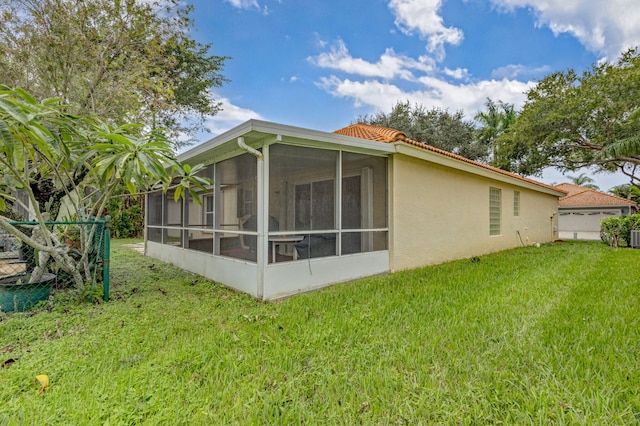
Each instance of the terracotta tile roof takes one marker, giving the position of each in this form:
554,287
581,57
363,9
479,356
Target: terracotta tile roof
387,135
571,189
374,133
585,197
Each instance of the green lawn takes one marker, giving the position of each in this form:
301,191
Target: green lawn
532,335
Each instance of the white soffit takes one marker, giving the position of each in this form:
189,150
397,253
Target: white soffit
257,132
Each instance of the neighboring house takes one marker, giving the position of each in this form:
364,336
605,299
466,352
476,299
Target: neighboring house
581,211
294,209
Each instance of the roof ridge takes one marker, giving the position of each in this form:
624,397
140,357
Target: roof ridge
372,132
389,135
601,193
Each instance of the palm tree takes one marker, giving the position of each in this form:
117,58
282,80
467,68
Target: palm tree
495,121
629,146
628,191
585,181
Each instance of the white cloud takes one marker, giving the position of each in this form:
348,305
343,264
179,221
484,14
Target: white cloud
435,92
458,73
519,71
605,27
244,4
380,96
248,5
422,16
390,65
230,116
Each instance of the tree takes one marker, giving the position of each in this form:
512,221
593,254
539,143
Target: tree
628,191
85,159
571,121
435,127
494,122
584,181
120,60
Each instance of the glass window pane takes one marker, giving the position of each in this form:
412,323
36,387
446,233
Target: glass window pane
316,245
154,208
495,210
173,237
302,188
236,191
364,191
361,242
154,234
199,212
323,209
234,207
172,210
199,240
236,246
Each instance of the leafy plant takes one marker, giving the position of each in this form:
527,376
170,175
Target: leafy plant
122,60
630,223
572,120
127,217
616,230
83,162
435,127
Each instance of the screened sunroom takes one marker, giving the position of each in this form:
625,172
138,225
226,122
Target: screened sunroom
289,210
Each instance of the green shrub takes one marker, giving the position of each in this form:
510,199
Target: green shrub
631,223
127,217
614,230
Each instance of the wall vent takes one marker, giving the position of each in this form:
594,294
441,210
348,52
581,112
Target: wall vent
635,239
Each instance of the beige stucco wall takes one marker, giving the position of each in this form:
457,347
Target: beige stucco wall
438,214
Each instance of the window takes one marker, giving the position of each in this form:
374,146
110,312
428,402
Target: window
154,208
172,210
208,210
495,207
364,203
321,203
516,203
336,203
235,221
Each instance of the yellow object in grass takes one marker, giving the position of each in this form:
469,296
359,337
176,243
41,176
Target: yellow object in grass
43,379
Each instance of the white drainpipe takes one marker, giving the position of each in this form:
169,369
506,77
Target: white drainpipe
260,261
250,150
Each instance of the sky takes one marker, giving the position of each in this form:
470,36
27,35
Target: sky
321,64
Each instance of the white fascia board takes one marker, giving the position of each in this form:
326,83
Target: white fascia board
443,160
320,136
275,129
231,134
595,207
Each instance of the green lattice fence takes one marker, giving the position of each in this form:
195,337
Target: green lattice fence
28,277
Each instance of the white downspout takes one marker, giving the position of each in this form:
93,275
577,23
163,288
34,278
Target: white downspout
260,254
250,150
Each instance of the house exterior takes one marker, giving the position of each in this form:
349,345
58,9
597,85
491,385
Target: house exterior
582,209
293,209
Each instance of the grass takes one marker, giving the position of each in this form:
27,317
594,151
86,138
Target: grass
527,336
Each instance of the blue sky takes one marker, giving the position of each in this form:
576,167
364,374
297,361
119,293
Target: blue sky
321,64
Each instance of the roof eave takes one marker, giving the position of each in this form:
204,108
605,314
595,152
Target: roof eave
444,160
598,206
284,131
